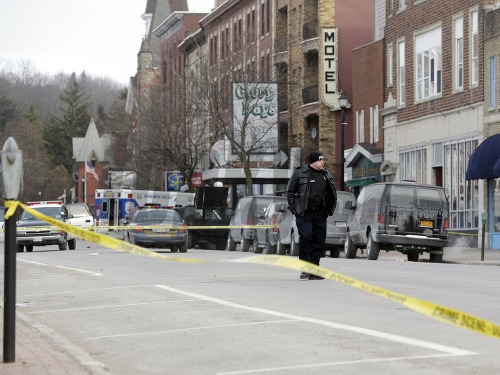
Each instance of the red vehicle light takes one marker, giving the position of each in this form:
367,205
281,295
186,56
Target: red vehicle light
138,230
183,228
446,224
275,223
381,219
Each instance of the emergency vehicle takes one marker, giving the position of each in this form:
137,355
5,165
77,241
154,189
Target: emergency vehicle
113,205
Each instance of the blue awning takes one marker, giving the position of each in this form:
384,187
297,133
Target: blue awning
484,162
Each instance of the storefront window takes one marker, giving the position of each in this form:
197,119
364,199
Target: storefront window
462,194
414,164
496,206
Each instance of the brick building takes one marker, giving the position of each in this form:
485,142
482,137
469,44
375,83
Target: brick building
434,102
308,73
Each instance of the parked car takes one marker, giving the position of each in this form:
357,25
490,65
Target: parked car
81,215
244,214
336,225
163,227
32,231
287,238
210,209
408,217
265,239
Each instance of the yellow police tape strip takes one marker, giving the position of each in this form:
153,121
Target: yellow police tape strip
165,226
438,312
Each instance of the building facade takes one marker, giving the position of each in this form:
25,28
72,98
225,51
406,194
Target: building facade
313,60
434,102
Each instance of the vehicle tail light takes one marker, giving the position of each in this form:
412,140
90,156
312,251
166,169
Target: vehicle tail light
381,219
138,230
249,221
183,228
275,223
446,224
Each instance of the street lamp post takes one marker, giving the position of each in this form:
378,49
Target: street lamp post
344,103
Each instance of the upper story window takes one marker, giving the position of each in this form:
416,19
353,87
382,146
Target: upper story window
390,79
428,61
459,54
492,81
402,4
401,74
474,48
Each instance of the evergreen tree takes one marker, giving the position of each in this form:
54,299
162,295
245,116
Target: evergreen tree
59,132
8,111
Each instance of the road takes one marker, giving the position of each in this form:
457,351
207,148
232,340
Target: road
137,315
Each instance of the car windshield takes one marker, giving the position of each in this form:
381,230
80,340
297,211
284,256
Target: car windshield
164,217
79,211
54,212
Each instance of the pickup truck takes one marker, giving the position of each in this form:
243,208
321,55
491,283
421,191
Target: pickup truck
32,231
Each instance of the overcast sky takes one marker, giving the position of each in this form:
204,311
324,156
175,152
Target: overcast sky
101,37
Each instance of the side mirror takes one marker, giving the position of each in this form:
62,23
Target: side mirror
349,205
280,207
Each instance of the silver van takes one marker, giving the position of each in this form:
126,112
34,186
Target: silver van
408,217
245,215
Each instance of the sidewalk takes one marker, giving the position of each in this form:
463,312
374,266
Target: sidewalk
40,351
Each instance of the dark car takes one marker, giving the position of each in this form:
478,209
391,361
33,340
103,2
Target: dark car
157,227
244,215
408,217
210,210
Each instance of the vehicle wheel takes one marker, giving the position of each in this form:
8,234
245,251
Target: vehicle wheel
63,246
174,249
335,252
412,257
245,245
183,248
349,248
372,248
268,248
294,246
255,246
20,248
72,244
29,248
189,242
436,258
231,245
280,248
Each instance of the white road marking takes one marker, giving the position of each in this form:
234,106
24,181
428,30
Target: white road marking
80,270
62,267
111,306
190,329
382,335
32,262
330,364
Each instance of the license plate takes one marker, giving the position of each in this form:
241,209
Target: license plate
160,230
37,239
340,224
426,223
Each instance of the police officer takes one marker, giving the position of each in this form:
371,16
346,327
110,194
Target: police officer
311,198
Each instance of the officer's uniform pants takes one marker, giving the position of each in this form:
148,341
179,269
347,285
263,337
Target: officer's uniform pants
312,234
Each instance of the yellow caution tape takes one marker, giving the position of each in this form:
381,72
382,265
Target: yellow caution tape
441,313
127,227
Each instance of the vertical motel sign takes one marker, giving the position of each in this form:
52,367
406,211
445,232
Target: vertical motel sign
329,76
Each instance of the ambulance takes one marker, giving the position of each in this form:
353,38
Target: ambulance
113,205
